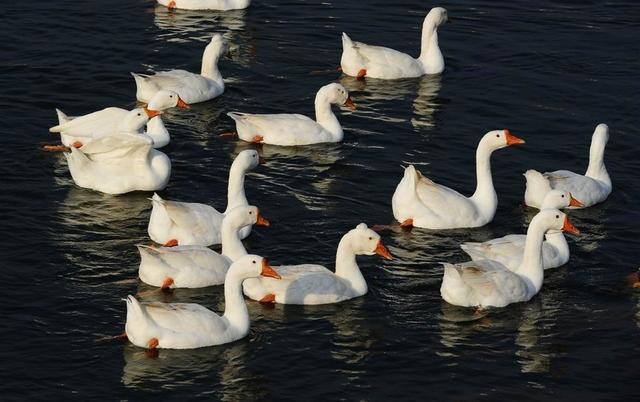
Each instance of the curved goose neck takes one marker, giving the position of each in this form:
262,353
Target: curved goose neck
485,196
347,266
596,169
235,189
232,246
157,131
430,54
235,310
531,266
325,116
210,64
556,239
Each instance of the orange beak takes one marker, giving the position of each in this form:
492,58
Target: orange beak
262,221
182,104
569,228
512,139
349,103
574,202
261,161
382,251
407,223
268,271
152,113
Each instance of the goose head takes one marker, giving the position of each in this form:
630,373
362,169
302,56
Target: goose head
365,241
218,46
136,119
247,160
601,134
252,266
166,99
336,94
242,216
437,16
498,139
552,218
560,199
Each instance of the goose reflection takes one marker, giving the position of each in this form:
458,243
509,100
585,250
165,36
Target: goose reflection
374,96
174,369
314,165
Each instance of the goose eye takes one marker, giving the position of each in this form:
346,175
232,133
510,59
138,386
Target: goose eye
250,212
254,261
370,238
138,114
562,195
557,216
498,135
170,96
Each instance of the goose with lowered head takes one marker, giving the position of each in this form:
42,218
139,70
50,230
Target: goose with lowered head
315,284
508,250
112,120
192,87
362,60
488,283
198,266
189,325
591,188
420,202
296,129
175,223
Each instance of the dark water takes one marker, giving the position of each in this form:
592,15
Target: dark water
548,71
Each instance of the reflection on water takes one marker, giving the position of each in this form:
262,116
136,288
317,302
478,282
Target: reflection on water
173,369
187,26
375,96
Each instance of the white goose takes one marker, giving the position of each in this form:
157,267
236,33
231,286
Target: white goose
183,223
315,284
188,325
592,188
488,283
508,250
420,202
198,266
221,5
296,129
360,60
193,88
119,164
111,120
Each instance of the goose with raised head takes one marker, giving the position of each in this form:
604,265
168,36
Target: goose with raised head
175,223
591,188
198,266
508,250
119,164
220,5
489,283
188,325
112,120
362,60
192,87
297,129
420,202
315,284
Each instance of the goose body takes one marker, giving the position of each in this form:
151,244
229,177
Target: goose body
509,250
198,266
221,5
362,60
189,325
119,164
112,120
488,283
192,87
296,129
315,284
591,188
200,224
420,202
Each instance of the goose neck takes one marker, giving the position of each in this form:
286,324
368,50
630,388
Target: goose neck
235,310
531,267
347,266
235,189
326,118
485,196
